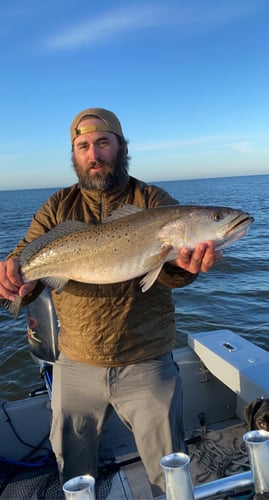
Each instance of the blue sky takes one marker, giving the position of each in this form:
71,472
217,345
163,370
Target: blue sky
188,79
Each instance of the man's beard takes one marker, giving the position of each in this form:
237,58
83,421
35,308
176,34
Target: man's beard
115,172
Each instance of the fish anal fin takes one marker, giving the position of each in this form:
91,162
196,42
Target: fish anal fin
55,283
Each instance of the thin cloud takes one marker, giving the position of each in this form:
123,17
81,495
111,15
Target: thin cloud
110,26
106,27
244,147
238,142
8,157
240,146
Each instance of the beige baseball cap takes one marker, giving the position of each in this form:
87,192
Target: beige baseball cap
110,123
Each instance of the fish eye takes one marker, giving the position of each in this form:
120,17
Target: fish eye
217,216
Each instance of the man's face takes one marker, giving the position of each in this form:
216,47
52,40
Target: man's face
98,159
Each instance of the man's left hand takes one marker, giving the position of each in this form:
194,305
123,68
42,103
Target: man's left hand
201,259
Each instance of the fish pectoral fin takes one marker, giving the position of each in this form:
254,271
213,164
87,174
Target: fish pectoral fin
156,262
159,258
150,278
13,307
55,283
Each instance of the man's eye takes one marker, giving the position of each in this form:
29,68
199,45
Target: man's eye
103,144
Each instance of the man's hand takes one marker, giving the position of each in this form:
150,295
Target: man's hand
201,259
11,282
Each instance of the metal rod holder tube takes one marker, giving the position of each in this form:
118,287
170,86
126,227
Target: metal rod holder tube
177,476
231,484
80,488
257,444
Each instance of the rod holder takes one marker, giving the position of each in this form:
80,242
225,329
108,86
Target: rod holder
257,444
177,476
80,488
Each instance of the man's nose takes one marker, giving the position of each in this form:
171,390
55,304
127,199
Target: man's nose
93,152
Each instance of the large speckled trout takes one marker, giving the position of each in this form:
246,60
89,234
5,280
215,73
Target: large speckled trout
132,242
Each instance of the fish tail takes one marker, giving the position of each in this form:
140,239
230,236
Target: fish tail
13,307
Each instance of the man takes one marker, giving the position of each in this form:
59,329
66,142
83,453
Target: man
115,342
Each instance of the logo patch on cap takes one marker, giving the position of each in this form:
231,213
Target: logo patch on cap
91,128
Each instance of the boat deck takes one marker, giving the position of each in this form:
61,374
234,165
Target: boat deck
216,453
213,416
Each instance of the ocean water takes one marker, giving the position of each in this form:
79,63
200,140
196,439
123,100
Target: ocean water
233,295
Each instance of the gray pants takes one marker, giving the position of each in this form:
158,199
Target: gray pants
146,396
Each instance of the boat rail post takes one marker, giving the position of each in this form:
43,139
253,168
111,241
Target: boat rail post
80,488
219,488
257,444
178,481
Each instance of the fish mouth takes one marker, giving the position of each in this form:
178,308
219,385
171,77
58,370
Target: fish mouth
235,230
241,222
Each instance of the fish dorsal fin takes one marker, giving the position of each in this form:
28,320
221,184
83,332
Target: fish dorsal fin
121,212
67,227
57,232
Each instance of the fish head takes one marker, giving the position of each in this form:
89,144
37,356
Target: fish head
196,224
236,224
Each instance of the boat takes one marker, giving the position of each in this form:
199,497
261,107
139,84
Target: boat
222,373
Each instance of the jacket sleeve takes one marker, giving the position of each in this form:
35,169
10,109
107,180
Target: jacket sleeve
170,276
175,277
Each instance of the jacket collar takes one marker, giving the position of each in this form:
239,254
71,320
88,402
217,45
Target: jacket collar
107,200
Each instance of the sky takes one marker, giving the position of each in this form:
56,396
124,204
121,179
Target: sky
188,79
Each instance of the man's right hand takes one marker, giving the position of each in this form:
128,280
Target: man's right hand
10,280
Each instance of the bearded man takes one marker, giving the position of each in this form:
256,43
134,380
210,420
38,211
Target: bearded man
115,342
